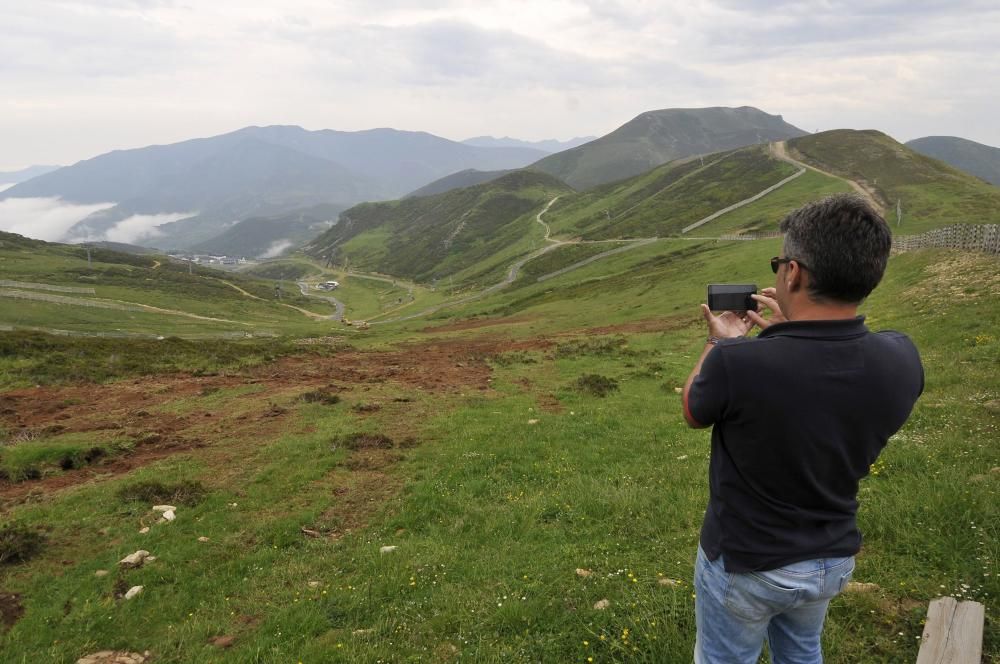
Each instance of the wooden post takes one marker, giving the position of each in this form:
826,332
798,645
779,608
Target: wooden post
953,633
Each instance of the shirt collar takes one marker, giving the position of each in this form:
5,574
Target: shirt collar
818,329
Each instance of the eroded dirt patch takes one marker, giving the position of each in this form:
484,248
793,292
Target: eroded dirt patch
478,323
11,610
180,413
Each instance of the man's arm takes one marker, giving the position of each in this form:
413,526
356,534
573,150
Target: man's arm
693,423
727,325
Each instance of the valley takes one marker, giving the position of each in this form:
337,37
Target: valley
472,447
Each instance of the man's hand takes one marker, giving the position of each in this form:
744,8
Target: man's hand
766,298
726,325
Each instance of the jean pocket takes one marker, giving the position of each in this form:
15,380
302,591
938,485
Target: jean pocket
754,596
845,577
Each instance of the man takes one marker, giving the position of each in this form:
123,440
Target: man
799,414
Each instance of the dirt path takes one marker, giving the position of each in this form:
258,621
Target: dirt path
310,314
779,149
338,306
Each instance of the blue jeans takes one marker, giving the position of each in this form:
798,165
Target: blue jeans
736,612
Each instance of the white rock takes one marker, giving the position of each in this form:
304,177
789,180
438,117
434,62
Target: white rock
583,572
532,421
101,572
602,604
133,591
203,539
388,549
164,508
150,559
682,457
144,530
135,559
169,515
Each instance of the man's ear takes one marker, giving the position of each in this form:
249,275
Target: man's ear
795,278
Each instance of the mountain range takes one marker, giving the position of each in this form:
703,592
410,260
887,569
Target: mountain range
549,145
262,190
13,177
983,161
256,171
472,234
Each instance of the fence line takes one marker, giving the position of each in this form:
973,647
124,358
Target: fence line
63,299
969,237
762,235
47,287
234,335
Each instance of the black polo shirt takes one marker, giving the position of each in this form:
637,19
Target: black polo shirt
800,413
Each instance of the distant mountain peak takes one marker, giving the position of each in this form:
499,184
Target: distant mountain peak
655,137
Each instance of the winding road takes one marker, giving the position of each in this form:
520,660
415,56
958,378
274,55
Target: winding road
779,149
338,306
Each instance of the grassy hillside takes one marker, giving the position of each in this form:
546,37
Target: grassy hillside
431,237
479,453
52,286
657,137
980,160
667,199
466,178
931,193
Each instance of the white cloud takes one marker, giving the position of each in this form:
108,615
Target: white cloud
277,248
88,76
43,218
140,227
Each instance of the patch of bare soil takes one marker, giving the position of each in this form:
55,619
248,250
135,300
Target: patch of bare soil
138,409
548,403
477,323
10,610
638,326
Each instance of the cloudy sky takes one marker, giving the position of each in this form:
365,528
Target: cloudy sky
81,77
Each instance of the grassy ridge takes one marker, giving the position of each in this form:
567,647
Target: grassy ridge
242,304
430,237
665,200
931,193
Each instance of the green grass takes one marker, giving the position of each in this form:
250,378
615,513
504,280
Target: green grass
50,454
29,358
431,237
510,490
765,214
151,281
932,194
665,200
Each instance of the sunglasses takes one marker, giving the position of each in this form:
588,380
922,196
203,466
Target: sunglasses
776,261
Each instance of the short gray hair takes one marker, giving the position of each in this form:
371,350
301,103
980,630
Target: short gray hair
842,242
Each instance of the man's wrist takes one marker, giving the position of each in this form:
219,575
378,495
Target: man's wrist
713,340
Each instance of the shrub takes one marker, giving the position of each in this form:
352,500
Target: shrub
602,346
596,385
320,396
185,492
362,440
18,543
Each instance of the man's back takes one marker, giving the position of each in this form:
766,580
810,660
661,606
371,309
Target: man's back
800,414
